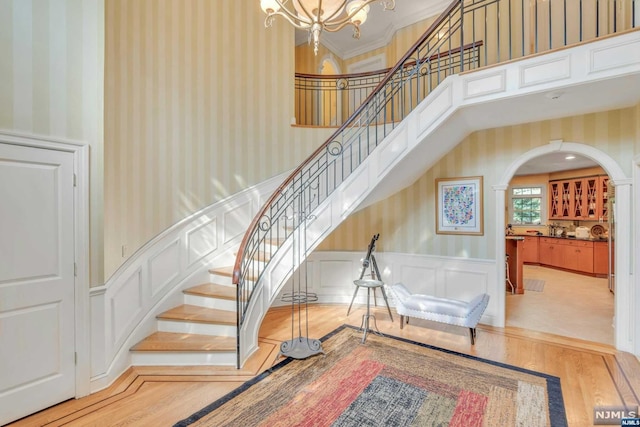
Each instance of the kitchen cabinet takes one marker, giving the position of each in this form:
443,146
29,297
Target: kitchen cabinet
568,254
514,248
550,252
603,208
577,199
601,258
530,251
578,255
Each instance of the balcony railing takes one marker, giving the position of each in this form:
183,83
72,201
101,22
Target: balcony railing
500,29
530,27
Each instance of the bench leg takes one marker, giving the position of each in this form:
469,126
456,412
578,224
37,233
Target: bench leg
401,321
472,334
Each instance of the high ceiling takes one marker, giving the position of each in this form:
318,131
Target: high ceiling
379,27
378,31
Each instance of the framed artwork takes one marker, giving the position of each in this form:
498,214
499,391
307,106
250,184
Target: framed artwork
459,206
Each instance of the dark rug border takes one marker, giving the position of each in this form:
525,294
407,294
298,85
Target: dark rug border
557,414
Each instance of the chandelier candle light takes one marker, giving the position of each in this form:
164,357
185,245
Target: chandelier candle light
318,15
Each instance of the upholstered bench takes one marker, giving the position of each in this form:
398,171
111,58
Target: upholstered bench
443,310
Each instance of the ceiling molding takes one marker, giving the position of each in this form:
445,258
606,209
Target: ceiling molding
377,37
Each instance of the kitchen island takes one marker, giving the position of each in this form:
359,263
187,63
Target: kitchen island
514,249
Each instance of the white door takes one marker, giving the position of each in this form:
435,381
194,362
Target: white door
37,341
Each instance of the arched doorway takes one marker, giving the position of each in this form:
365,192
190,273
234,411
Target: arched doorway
623,305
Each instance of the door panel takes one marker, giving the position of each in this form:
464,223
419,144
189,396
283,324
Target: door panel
37,342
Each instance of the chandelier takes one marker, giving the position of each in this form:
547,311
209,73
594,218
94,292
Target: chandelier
316,16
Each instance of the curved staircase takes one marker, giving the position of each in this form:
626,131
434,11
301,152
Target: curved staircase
200,331
372,149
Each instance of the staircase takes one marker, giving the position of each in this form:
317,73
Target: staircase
400,128
201,331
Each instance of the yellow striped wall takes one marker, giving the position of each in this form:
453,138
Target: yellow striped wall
51,84
198,106
406,221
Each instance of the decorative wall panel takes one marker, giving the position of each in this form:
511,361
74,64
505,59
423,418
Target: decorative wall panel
202,240
164,267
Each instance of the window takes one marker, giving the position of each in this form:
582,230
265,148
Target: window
527,207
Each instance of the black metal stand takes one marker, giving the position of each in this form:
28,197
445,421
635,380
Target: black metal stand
371,284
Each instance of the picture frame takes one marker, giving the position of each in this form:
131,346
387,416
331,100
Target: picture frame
459,206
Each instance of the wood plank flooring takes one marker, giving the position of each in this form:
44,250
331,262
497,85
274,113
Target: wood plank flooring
591,373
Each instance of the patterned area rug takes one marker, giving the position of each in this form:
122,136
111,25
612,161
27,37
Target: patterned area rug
388,381
533,285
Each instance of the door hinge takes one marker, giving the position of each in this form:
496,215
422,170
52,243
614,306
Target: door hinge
75,180
75,270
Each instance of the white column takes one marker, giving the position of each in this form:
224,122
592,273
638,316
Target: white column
499,290
626,315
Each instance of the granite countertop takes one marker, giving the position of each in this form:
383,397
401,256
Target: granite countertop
589,239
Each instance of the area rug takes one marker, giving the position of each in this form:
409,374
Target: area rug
536,285
388,381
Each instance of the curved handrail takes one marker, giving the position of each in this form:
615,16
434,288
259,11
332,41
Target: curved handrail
323,147
455,46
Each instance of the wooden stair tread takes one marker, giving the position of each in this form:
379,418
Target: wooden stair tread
213,290
194,313
172,341
228,272
222,271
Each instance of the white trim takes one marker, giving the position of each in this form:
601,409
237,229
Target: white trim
635,289
80,152
625,305
374,63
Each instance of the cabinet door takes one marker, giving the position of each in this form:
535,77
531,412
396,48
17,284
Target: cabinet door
530,251
570,254
554,200
550,253
592,197
566,206
601,258
561,200
584,258
603,208
578,199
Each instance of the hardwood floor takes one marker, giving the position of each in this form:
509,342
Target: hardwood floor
591,373
571,305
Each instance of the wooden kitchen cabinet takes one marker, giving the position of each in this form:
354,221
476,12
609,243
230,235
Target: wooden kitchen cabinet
601,258
530,252
575,255
578,199
578,255
550,252
603,207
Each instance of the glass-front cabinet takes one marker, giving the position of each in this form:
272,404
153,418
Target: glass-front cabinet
579,199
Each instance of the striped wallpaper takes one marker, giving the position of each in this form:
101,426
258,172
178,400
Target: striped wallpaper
406,221
198,106
51,84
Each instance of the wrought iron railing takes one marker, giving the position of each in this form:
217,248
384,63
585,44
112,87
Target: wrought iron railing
533,26
501,29
328,100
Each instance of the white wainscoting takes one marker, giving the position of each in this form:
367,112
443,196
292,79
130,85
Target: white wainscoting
331,274
151,281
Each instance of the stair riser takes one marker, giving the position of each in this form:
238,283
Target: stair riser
196,328
159,358
209,302
221,279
